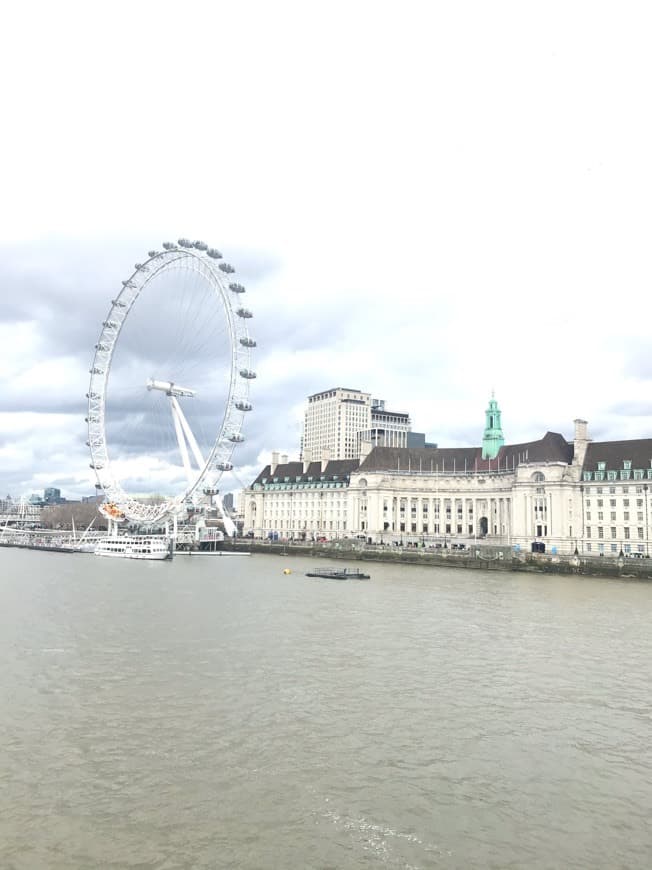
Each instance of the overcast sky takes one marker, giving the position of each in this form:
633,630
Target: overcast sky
426,200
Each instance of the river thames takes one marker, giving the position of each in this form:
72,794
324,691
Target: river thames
216,713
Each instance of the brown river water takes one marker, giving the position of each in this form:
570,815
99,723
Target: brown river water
216,713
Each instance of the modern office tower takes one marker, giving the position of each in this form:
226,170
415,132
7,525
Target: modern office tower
388,428
341,420
227,501
332,421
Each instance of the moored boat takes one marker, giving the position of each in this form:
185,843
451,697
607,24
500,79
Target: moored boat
338,574
135,547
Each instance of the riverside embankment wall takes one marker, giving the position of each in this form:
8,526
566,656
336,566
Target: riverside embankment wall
630,569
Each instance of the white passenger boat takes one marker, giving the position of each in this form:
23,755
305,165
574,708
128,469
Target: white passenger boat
135,546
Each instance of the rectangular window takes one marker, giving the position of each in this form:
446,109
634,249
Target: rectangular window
612,502
613,548
627,463
613,516
600,532
626,516
588,531
588,517
626,530
600,516
600,502
612,475
613,531
588,548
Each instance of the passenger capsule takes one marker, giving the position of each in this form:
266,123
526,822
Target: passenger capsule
243,406
118,303
169,246
214,253
237,288
225,466
236,438
244,312
110,324
226,267
185,243
247,342
248,374
128,283
152,254
201,246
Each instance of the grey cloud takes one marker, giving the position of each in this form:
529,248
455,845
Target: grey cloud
632,409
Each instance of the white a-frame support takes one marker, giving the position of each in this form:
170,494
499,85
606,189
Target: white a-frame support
186,439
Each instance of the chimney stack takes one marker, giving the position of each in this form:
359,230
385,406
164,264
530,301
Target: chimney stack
325,459
580,442
274,462
284,459
307,459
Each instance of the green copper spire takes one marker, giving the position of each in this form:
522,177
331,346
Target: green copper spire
493,438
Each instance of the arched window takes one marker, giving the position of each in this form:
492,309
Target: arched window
538,477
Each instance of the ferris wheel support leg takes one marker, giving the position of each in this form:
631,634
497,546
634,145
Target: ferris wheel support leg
196,452
229,525
178,428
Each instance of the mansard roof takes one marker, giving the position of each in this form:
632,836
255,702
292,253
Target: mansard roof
336,469
614,453
553,447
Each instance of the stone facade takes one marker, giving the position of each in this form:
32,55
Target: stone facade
593,497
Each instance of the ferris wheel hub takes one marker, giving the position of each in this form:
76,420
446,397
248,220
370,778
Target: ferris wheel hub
170,388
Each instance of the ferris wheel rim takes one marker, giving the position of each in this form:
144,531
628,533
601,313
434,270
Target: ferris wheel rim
198,257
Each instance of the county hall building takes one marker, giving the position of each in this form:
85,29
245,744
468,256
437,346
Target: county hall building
564,495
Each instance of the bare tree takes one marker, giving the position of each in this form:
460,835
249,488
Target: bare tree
60,516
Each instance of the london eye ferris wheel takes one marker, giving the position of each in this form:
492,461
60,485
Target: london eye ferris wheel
169,383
